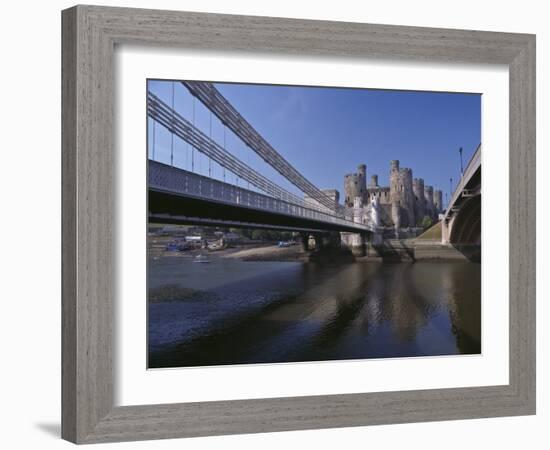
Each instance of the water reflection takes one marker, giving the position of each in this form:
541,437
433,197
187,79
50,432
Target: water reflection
237,312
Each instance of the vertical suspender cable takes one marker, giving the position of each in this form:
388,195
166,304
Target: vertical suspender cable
224,128
209,160
186,155
193,147
172,134
236,176
154,123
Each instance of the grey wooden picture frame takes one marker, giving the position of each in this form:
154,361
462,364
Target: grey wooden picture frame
89,37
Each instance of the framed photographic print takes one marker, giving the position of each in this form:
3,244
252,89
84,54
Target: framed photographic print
277,224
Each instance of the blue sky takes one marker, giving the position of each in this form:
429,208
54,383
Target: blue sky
326,132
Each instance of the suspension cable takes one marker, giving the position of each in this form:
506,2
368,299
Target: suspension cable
208,94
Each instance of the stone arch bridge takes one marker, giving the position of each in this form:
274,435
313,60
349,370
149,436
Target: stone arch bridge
461,223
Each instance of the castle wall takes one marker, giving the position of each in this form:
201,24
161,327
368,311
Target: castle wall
333,194
383,194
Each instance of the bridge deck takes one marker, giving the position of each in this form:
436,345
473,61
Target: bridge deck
172,181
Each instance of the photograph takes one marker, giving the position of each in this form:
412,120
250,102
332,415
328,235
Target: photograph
308,223
259,225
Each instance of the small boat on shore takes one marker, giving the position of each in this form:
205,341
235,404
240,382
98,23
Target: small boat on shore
201,259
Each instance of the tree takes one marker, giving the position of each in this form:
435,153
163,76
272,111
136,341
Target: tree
426,222
261,235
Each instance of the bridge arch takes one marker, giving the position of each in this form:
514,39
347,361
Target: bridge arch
461,224
466,225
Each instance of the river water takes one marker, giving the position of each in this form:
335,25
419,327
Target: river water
235,312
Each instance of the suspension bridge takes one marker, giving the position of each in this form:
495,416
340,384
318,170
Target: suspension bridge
182,195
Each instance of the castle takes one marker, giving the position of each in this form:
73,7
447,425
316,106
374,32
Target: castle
402,204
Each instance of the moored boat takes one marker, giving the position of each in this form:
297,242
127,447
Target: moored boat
201,259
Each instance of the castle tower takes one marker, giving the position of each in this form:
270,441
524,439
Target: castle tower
395,193
396,215
374,181
394,167
374,212
407,215
355,185
357,239
358,203
362,171
429,196
438,202
419,200
394,181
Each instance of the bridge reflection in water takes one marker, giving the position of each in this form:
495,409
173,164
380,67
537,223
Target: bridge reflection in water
236,312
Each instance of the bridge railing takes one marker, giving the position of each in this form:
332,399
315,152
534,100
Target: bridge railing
471,167
167,178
